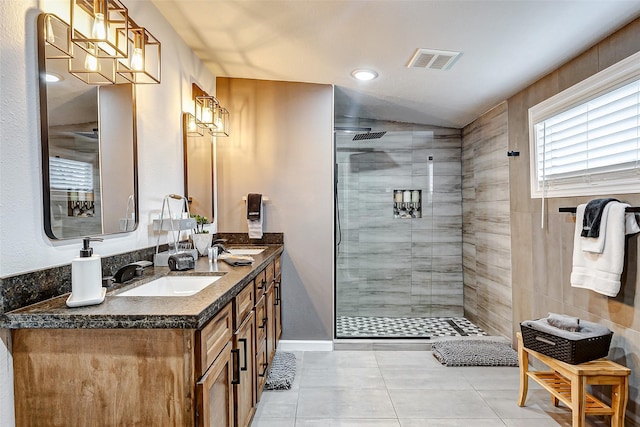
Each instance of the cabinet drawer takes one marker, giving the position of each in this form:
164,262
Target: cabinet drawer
270,268
211,339
260,284
243,304
261,321
262,369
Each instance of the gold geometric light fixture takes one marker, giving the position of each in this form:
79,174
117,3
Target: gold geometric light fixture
221,121
92,68
209,114
99,27
57,37
205,108
142,64
191,126
102,44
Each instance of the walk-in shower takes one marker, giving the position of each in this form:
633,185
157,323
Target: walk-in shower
398,216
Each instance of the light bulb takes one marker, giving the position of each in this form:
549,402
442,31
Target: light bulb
137,61
218,123
99,30
206,115
51,38
137,56
192,124
90,62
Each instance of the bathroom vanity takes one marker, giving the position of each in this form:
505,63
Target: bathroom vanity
151,360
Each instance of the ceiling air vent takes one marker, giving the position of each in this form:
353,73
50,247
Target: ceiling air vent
433,59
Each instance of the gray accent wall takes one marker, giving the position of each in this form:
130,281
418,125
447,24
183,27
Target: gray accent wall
281,146
399,267
486,224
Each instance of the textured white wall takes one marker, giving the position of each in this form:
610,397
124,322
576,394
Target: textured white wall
23,244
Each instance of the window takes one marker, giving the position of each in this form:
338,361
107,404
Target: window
70,175
586,139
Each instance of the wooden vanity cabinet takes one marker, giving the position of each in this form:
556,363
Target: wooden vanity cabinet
164,377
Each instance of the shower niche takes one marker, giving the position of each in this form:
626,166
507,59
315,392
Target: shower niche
407,204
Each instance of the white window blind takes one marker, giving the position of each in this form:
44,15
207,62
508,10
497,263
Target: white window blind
586,140
70,175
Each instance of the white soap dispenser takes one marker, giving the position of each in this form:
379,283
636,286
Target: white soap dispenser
86,277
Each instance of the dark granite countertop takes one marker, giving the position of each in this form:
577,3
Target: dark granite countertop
189,312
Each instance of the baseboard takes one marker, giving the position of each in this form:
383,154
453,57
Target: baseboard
305,345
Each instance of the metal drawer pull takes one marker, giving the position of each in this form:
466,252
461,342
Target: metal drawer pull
244,344
264,372
544,340
235,353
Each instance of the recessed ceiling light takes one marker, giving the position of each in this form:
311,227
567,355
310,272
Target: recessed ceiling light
364,74
52,77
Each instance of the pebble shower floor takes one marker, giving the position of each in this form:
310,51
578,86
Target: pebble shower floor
405,327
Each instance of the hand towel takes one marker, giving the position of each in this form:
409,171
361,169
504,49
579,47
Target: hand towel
236,260
254,202
562,321
254,215
601,272
593,216
595,244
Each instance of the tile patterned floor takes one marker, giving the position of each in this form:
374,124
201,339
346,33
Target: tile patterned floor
405,327
404,389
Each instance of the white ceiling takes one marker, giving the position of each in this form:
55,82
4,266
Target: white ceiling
506,45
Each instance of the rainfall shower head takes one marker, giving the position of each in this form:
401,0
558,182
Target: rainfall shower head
368,135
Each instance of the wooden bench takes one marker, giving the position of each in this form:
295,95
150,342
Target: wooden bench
567,384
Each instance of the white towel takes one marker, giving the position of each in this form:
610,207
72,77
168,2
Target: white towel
255,226
601,272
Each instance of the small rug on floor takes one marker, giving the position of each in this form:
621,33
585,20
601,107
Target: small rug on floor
474,353
282,372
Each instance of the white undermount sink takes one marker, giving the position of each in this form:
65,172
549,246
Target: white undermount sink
171,286
246,251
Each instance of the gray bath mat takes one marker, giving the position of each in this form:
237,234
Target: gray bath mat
282,372
474,353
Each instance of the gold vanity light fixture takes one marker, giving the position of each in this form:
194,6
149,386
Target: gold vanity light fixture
99,27
209,114
191,125
91,68
57,37
142,64
205,108
221,121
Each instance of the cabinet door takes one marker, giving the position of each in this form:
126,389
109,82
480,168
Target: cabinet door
244,389
277,309
262,368
261,321
269,303
214,393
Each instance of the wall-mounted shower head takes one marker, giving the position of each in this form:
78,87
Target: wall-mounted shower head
368,135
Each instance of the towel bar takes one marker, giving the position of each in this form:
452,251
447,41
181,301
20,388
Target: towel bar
630,209
264,199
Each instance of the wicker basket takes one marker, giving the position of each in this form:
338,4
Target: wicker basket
566,350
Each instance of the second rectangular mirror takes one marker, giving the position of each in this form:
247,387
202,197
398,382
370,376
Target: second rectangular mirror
198,168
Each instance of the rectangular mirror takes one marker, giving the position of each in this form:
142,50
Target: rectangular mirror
198,167
88,139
